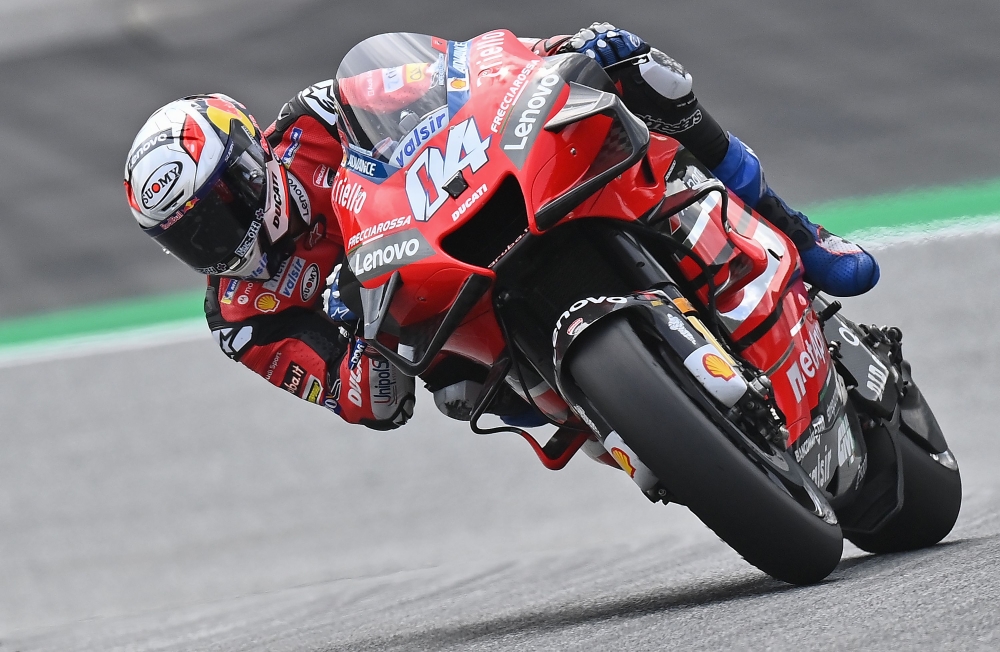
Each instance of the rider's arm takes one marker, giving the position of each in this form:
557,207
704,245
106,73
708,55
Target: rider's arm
305,353
658,90
285,337
387,89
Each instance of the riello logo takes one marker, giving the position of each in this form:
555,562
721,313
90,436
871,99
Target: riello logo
160,183
349,195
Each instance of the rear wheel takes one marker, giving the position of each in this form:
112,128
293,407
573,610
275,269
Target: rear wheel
757,501
932,497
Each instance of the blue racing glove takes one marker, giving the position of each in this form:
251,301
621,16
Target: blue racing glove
606,44
335,308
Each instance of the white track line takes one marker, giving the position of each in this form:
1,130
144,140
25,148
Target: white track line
884,237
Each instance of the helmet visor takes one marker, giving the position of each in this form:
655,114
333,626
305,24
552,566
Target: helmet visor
218,232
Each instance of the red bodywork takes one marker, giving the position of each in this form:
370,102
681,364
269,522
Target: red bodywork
765,267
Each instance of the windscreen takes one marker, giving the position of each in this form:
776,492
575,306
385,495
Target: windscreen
392,93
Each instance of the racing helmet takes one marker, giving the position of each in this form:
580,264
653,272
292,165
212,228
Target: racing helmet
203,182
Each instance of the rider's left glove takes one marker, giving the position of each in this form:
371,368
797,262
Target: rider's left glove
377,394
332,303
606,44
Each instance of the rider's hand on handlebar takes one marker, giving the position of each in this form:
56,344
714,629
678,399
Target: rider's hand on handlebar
606,44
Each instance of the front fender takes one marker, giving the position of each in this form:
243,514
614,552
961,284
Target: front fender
711,367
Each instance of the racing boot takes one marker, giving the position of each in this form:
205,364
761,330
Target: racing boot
832,264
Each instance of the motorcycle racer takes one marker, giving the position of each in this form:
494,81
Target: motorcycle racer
253,210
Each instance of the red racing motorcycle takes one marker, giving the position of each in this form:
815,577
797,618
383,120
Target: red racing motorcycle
517,219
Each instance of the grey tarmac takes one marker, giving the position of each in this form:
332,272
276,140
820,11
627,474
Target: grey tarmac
167,500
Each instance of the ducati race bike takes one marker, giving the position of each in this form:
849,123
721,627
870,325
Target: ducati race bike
519,224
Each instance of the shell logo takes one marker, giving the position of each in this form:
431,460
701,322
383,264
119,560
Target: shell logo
718,367
458,84
623,461
267,302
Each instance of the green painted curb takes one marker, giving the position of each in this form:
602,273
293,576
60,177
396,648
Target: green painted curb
103,318
900,210
914,208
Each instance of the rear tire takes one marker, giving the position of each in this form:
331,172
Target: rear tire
932,498
632,390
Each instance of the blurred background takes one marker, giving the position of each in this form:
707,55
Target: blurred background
167,499
840,99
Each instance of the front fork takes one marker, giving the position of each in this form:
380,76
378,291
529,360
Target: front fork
662,309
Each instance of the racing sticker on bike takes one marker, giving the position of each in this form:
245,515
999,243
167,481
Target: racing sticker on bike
432,169
717,367
487,57
366,166
371,232
458,76
529,114
389,253
629,461
811,362
467,204
351,196
716,375
411,143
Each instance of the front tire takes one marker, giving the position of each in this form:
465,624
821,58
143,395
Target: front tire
743,504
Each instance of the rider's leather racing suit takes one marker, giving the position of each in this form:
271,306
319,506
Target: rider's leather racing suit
279,328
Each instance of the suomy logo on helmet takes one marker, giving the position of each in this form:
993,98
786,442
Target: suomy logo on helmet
160,183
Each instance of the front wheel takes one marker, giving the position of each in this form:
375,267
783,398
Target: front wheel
742,500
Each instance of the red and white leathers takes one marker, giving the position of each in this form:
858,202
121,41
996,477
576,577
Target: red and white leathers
278,328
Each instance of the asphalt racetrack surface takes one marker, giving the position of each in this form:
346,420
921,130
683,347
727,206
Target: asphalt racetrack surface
166,499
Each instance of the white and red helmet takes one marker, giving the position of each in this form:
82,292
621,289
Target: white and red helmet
202,181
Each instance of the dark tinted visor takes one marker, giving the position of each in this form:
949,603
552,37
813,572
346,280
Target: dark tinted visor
219,230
